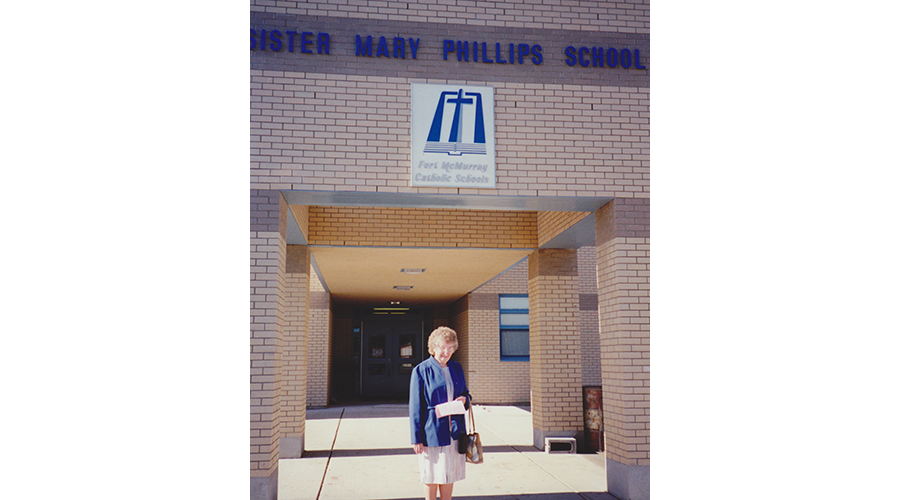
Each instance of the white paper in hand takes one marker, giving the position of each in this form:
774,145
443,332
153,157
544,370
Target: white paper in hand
451,408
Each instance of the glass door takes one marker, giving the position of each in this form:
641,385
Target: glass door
409,354
377,364
391,348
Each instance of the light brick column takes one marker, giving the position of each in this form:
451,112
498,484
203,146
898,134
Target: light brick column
590,321
293,369
318,372
555,344
268,213
623,277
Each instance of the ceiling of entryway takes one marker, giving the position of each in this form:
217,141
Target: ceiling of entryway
367,275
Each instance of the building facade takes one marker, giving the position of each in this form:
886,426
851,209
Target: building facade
481,165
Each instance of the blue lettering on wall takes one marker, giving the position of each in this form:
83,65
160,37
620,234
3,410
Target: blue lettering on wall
600,57
275,36
597,56
538,56
583,51
462,50
524,50
448,47
499,57
383,49
309,42
570,55
484,53
274,40
612,57
637,59
305,42
625,58
517,52
364,50
290,35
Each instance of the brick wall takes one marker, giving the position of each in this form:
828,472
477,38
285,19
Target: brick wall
531,14
319,345
507,382
296,320
555,340
552,224
495,381
623,275
318,132
301,215
380,226
267,287
589,316
340,122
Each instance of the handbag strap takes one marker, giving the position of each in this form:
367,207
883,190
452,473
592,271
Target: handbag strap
472,418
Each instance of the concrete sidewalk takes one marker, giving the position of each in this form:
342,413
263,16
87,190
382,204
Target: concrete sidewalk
363,452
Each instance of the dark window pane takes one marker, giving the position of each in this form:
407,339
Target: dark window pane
514,343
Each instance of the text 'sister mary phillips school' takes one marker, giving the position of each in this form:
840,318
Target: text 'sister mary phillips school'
480,165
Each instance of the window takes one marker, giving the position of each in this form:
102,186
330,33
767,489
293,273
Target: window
514,327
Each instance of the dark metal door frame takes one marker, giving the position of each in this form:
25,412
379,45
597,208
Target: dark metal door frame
390,347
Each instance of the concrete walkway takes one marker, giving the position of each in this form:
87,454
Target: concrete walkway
363,452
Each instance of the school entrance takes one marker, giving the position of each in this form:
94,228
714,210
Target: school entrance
392,342
345,296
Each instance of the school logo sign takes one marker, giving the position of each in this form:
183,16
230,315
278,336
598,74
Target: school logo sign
452,136
454,144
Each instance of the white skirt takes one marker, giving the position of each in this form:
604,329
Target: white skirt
442,464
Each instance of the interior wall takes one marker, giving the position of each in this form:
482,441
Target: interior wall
495,381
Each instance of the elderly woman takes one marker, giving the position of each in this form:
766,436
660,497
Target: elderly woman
435,381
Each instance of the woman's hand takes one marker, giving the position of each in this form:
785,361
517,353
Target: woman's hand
419,448
461,398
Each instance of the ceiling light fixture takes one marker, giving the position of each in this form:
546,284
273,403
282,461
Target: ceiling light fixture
412,270
403,287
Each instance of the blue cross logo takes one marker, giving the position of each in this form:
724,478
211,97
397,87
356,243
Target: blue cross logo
454,144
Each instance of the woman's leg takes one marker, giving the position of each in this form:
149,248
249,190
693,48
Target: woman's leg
431,491
446,491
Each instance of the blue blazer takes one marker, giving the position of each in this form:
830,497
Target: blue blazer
428,389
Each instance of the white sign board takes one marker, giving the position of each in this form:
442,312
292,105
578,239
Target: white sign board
452,136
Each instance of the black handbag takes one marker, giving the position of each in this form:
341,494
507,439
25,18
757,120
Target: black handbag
462,443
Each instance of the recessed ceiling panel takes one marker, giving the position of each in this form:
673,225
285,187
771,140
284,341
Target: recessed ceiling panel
370,275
